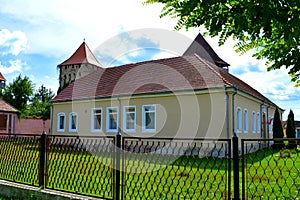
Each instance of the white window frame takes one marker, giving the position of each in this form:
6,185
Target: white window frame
93,114
144,128
253,122
108,129
258,122
239,122
246,121
70,122
58,122
125,118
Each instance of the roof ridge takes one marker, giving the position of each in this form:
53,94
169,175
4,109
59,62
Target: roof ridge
212,69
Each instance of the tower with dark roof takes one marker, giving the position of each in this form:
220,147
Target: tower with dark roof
201,47
81,63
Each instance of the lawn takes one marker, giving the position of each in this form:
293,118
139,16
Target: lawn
152,176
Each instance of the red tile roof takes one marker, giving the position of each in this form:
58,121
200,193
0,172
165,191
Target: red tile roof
2,77
6,107
82,55
184,73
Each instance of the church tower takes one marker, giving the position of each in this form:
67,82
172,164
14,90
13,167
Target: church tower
81,63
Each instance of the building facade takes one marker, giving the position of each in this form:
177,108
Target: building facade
186,96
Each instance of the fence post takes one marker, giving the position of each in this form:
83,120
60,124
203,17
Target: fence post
42,155
118,170
236,175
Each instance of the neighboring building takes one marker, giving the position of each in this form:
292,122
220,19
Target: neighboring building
8,118
192,95
297,126
81,63
10,124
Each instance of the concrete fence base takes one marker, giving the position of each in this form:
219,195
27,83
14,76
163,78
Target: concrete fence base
10,190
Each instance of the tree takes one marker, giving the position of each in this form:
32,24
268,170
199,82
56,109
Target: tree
277,130
291,129
268,27
18,94
40,105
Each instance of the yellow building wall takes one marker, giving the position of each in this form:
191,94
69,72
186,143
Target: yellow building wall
247,102
181,116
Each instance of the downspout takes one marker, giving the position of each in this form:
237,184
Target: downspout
227,111
233,94
262,129
268,126
119,117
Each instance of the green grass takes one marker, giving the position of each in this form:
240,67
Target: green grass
273,174
152,176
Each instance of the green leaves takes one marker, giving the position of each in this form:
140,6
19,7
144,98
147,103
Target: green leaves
20,95
268,27
40,104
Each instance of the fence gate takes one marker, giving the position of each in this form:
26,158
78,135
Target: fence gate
167,168
269,172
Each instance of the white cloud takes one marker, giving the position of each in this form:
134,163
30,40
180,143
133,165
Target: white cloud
65,23
13,42
58,27
15,66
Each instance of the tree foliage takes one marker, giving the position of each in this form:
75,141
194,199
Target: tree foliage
40,104
268,27
277,129
18,94
291,129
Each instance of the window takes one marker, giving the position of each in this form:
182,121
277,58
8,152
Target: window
246,121
61,121
270,123
258,122
148,118
129,119
253,122
96,119
73,121
112,119
3,121
239,120
298,133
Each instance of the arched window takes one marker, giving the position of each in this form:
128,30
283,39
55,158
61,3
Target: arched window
246,121
239,120
253,122
258,122
61,122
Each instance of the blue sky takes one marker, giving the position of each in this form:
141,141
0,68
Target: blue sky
36,36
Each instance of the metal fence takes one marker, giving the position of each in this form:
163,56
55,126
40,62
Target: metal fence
19,158
153,168
83,165
269,172
165,168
